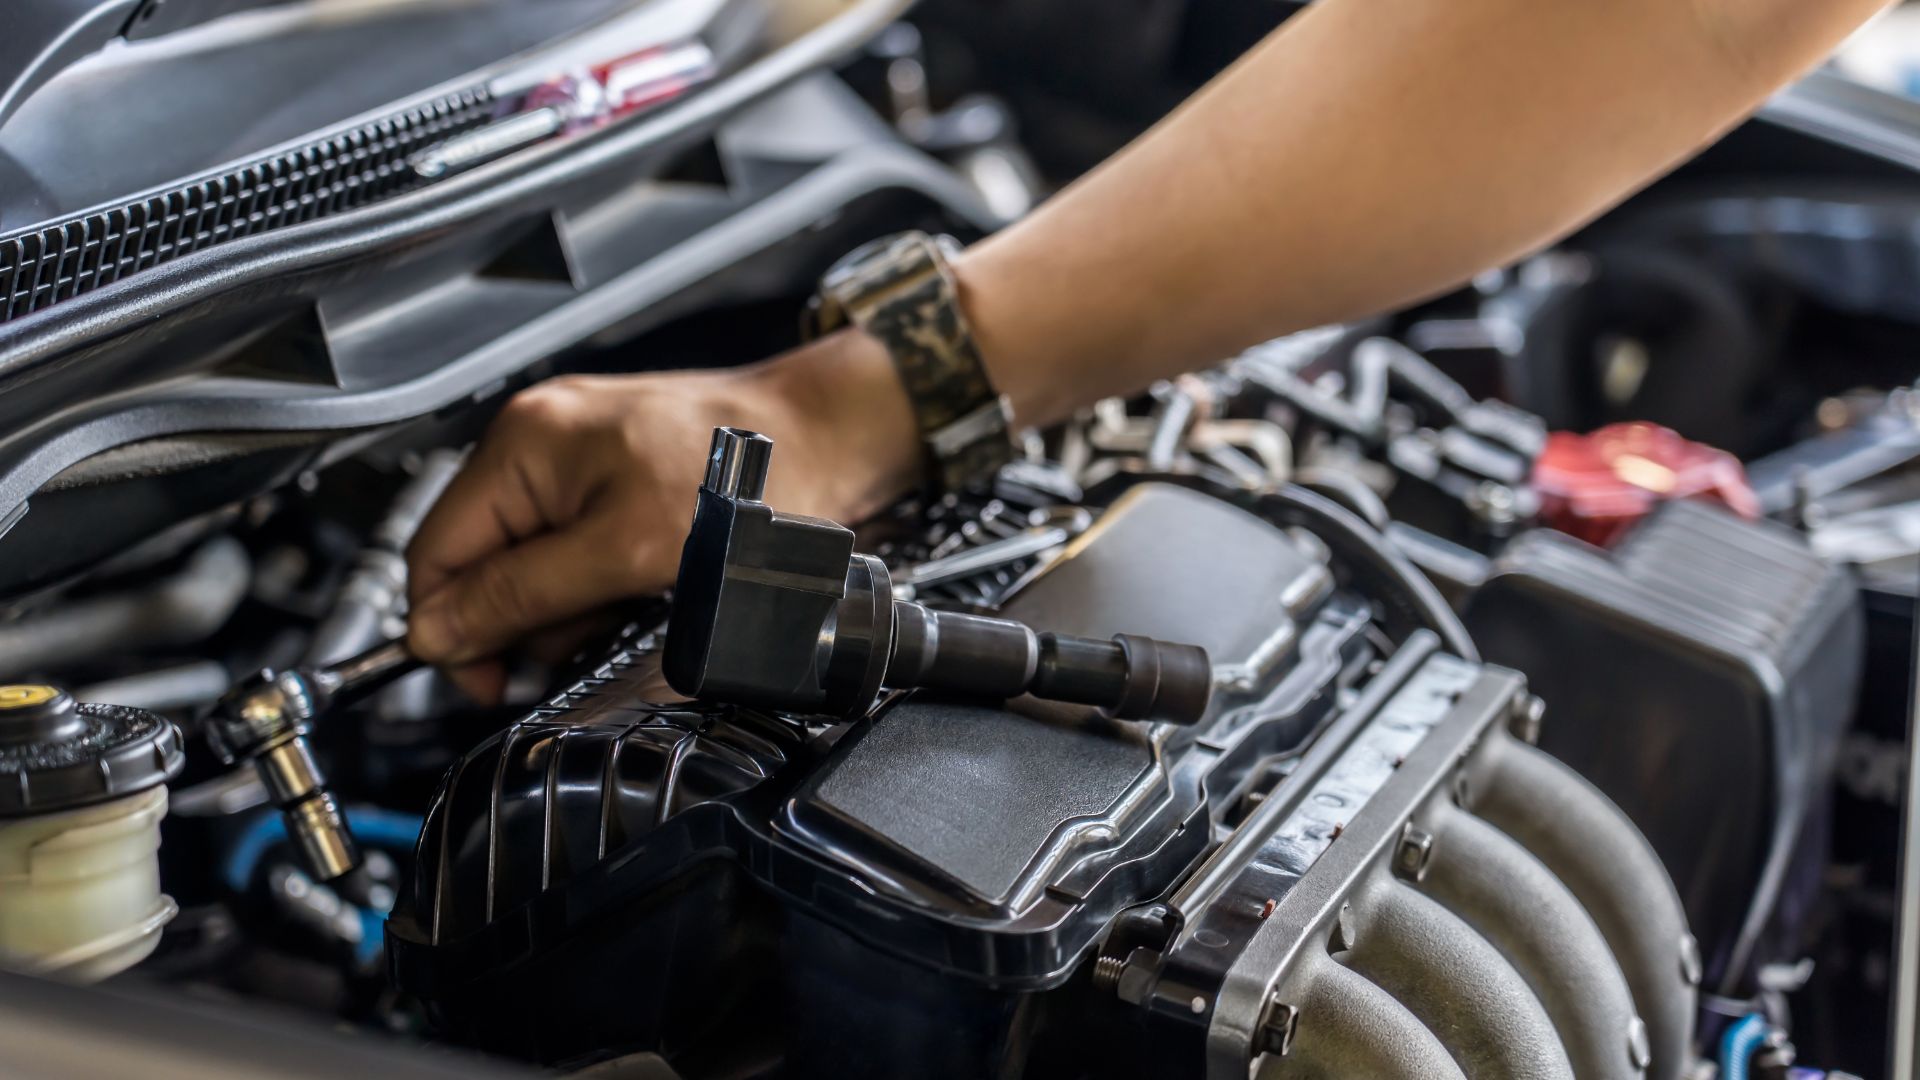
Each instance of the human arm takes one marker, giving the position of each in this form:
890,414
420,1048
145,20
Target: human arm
1369,153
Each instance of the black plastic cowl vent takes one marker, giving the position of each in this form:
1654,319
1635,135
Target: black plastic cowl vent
346,170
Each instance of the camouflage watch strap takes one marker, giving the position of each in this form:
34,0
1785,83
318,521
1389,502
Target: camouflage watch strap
901,291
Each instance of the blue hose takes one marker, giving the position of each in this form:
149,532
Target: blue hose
373,937
381,827
1738,1045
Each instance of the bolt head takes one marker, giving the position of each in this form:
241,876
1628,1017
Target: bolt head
1277,1027
1690,963
1524,718
1415,851
1775,1056
1639,1044
1341,938
1493,503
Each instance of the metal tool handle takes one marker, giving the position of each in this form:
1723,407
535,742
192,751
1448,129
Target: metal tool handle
356,677
264,722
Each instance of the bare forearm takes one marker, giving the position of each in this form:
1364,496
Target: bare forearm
1375,151
1370,153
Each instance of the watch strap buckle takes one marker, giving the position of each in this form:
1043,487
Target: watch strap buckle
992,420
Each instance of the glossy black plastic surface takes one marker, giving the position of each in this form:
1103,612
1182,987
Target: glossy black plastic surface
774,610
700,864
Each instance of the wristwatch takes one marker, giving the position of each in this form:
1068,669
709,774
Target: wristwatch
901,290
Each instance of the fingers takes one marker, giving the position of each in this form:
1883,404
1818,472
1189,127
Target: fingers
563,641
579,495
515,590
485,681
508,490
482,511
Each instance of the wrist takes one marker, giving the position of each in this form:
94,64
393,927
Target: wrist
855,430
1027,362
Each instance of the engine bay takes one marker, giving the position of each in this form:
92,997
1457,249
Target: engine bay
1551,721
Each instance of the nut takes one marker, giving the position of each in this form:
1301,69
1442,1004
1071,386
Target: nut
1277,1026
1524,716
1416,849
1639,1044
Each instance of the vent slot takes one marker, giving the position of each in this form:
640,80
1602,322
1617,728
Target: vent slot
348,170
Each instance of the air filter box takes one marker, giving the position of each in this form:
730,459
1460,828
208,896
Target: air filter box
1701,673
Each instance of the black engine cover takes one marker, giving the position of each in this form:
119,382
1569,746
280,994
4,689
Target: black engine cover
751,893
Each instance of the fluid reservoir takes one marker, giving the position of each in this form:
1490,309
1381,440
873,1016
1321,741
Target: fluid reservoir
82,792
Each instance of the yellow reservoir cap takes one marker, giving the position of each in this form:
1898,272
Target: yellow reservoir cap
26,697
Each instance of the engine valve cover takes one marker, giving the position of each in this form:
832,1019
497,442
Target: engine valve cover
1343,855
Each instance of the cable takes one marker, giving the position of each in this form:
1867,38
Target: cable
375,589
1738,1044
183,608
1368,555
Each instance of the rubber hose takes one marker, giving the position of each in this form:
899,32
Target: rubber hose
188,685
375,588
182,609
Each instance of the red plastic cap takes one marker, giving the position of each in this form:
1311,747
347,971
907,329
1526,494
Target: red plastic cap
1596,486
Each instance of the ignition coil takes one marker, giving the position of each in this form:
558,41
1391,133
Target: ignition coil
776,610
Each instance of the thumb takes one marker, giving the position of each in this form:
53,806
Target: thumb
517,590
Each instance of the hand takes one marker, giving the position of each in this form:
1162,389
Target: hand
583,490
